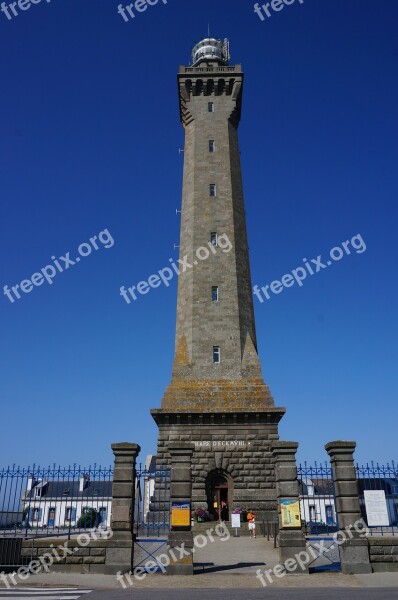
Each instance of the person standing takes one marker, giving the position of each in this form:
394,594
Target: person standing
251,517
224,510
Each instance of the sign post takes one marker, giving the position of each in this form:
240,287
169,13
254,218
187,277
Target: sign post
180,514
235,523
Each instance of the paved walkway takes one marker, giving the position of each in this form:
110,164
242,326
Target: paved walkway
238,555
229,564
219,581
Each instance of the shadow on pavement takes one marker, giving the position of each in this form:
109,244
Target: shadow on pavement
200,568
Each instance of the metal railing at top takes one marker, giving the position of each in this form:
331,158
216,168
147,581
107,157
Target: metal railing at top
378,497
217,69
317,499
54,501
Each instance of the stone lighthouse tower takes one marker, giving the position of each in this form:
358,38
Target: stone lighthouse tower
217,398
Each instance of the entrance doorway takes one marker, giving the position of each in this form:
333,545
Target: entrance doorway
102,515
329,515
219,494
51,517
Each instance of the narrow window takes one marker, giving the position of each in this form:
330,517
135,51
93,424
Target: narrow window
213,190
70,515
213,238
212,146
214,293
216,354
37,514
210,106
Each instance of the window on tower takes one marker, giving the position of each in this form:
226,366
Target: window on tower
210,106
214,293
213,190
213,238
212,146
216,354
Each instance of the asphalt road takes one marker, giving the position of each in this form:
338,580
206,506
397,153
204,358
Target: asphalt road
249,594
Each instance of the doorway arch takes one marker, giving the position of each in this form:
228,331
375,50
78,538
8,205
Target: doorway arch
219,492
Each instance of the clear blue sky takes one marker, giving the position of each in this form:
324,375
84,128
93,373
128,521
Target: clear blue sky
90,138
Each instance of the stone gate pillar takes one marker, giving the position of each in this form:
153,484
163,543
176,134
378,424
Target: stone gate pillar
120,548
354,552
291,539
181,492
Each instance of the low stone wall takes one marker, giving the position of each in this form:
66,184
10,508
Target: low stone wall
99,556
383,553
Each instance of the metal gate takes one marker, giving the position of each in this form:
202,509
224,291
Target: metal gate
319,516
151,515
11,553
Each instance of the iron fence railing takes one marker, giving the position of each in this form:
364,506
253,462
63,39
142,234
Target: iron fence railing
377,492
54,501
317,499
378,497
152,504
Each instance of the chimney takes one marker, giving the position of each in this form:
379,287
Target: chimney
83,483
30,484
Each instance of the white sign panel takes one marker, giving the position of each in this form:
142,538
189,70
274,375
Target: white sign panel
376,508
235,520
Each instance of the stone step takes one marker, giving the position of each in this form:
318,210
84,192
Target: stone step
243,530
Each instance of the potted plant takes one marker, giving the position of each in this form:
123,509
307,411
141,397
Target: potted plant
201,515
89,519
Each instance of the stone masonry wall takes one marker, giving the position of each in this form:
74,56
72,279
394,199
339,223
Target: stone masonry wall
90,559
242,453
383,553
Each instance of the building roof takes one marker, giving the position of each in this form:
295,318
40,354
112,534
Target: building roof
324,487
321,487
389,485
152,464
70,489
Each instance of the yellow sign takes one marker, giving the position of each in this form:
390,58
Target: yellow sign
290,513
180,514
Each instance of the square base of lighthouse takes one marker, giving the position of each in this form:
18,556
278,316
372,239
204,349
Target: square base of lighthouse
232,464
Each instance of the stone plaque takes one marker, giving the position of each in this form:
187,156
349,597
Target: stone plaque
221,444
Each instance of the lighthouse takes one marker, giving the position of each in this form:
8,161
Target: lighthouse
217,398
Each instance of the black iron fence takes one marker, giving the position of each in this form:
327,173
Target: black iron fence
152,503
152,512
10,553
54,501
378,497
377,491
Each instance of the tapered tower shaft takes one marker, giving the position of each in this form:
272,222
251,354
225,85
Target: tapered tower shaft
216,365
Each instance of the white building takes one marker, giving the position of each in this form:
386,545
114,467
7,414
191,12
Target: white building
317,503
149,485
60,504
